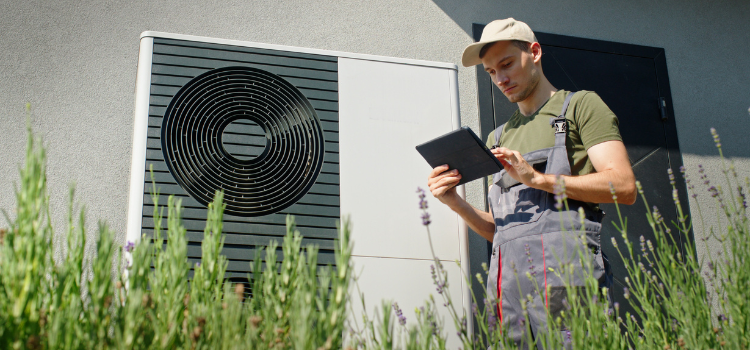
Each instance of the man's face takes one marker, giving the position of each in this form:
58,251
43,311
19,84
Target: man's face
513,70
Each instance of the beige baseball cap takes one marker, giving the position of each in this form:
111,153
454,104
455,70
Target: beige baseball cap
498,30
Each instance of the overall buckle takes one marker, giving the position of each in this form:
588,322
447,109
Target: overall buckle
560,124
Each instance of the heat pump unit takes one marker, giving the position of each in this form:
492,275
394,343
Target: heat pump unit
312,133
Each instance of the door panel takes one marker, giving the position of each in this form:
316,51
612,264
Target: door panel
627,84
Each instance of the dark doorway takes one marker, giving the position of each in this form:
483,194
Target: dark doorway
633,81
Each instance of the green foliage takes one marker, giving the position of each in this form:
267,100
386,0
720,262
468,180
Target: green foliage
670,297
91,302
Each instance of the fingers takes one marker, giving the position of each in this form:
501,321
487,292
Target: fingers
438,169
507,156
443,185
441,180
440,172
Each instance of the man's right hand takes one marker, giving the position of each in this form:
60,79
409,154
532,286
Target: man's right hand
442,182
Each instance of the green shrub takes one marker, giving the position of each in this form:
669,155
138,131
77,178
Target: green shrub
76,302
672,304
63,305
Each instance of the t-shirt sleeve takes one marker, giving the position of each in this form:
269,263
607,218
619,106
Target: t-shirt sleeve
596,122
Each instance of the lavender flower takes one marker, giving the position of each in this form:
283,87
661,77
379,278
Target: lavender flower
671,176
399,314
438,284
528,253
422,201
426,218
129,247
657,216
716,138
685,176
742,196
626,293
491,322
714,191
423,205
612,191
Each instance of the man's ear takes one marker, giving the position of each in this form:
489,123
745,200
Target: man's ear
536,51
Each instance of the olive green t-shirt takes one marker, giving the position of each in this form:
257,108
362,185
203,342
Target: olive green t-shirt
590,122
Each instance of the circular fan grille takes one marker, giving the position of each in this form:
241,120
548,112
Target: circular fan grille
193,130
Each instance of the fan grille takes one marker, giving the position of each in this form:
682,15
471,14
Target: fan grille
193,135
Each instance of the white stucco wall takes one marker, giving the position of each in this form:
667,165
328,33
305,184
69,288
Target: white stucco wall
75,62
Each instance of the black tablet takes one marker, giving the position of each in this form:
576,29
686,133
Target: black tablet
463,150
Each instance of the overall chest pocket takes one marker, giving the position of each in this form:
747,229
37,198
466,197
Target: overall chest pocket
518,206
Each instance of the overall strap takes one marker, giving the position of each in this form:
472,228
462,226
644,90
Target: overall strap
499,132
560,123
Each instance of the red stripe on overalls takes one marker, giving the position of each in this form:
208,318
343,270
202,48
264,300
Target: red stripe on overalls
499,286
544,266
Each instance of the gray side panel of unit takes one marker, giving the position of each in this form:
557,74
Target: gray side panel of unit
176,62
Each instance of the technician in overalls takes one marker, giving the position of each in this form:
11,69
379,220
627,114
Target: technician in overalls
554,133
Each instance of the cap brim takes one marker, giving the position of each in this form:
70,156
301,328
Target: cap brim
471,53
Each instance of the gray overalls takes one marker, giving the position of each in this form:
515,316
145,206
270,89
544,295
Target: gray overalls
532,236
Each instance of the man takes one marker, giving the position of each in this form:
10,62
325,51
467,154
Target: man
555,137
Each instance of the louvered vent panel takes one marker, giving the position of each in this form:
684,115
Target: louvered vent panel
175,64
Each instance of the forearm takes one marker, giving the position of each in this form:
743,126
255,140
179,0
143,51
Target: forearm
593,188
480,221
442,182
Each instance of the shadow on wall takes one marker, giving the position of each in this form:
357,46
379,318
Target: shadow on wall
539,14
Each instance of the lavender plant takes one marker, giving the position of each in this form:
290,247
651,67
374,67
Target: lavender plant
77,302
672,302
675,304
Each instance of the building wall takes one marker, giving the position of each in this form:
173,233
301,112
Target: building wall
75,62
